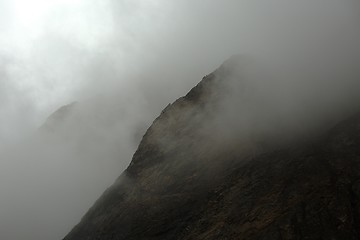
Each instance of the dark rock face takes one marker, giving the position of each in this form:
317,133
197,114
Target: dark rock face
182,184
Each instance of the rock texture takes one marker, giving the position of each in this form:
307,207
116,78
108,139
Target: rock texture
185,184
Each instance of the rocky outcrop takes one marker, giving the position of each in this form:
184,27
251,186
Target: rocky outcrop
184,183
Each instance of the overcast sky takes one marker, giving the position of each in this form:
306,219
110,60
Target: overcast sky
123,61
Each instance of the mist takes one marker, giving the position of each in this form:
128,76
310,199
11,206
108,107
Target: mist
122,62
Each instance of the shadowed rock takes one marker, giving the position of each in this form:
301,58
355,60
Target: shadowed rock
184,183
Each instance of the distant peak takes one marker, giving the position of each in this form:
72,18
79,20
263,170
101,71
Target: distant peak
58,116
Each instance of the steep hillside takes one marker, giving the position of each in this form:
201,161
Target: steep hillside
186,181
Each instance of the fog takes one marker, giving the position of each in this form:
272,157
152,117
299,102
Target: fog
122,62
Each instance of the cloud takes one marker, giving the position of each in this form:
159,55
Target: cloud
123,62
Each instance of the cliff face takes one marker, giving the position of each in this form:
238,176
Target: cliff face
186,182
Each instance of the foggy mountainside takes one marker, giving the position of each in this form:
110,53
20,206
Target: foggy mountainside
208,119
58,118
187,181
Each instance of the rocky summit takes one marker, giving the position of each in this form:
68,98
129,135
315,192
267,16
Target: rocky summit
187,181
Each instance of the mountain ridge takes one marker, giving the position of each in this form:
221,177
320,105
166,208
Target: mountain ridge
183,183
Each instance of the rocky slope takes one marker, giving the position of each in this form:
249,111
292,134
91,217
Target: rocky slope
187,182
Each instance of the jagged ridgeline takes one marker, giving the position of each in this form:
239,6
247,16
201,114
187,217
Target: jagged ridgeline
208,168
